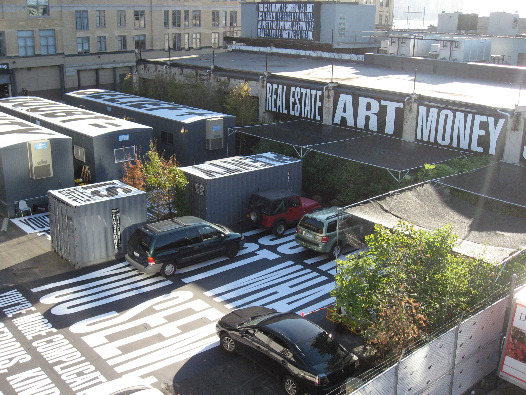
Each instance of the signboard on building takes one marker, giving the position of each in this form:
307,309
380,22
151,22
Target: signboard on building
513,360
295,21
367,112
298,101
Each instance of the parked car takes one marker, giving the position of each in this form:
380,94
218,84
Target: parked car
300,353
165,246
278,209
329,231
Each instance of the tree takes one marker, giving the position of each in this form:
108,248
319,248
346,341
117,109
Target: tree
240,103
162,179
407,282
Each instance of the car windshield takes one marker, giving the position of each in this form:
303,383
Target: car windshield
259,203
323,352
311,224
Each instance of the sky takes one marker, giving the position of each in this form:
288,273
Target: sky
433,7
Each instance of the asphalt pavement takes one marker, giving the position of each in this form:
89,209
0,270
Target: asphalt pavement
27,258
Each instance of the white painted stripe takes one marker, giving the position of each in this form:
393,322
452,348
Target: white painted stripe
254,232
159,360
247,249
316,259
260,255
281,268
292,303
187,337
81,304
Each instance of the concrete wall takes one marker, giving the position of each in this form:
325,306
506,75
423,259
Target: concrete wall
479,71
347,23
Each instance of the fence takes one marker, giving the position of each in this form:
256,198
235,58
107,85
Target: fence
450,364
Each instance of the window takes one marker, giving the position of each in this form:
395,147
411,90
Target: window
386,20
215,40
186,18
209,233
38,7
82,44
26,43
121,42
233,18
81,18
223,21
196,40
176,41
176,18
121,18
167,138
79,153
140,41
166,19
196,18
139,19
47,42
215,18
381,3
101,43
3,50
100,18
124,154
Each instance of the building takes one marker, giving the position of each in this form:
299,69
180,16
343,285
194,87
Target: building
313,24
48,48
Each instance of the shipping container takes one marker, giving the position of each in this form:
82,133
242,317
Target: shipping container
33,160
191,134
101,143
90,224
219,190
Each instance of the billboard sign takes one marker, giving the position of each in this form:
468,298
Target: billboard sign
293,21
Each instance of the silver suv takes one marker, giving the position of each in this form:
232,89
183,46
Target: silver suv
329,231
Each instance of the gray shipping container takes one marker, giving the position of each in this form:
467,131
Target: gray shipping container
219,190
90,224
101,142
193,135
33,160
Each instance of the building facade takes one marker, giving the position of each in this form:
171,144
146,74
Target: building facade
49,47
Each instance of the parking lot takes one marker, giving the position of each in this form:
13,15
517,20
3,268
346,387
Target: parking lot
122,322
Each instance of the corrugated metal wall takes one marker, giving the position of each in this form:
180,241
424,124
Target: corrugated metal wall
88,225
219,190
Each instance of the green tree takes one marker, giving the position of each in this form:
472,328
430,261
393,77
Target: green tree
163,181
240,103
407,276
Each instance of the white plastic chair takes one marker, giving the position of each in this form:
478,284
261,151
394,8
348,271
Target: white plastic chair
23,208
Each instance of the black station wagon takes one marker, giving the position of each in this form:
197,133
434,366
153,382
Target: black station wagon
168,245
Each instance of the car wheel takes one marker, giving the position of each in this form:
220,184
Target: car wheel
336,250
255,216
168,269
278,228
227,343
232,250
290,386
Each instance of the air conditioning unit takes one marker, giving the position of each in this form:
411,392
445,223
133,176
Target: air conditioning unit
40,162
214,133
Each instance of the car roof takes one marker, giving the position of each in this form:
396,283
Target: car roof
278,194
324,214
292,327
174,223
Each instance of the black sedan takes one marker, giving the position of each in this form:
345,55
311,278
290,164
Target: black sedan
299,352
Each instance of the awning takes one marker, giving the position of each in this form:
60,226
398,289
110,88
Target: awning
390,153
499,181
